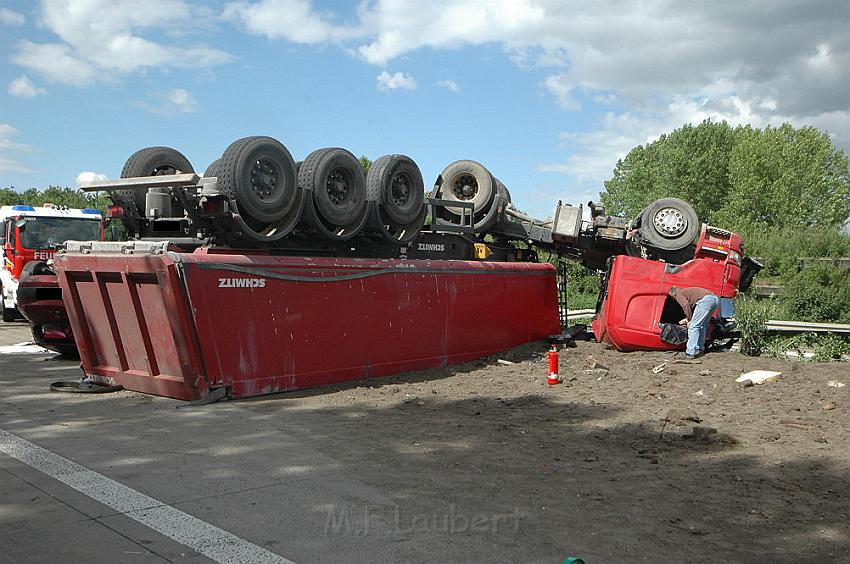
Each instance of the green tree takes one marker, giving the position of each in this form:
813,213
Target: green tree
365,163
690,163
743,178
59,195
786,177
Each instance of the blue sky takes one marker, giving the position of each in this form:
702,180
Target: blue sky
548,94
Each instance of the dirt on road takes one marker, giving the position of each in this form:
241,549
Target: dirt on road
607,464
485,461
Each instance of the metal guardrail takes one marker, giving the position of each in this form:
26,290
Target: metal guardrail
841,262
775,325
767,290
806,327
580,313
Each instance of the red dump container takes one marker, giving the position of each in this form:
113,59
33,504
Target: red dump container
181,324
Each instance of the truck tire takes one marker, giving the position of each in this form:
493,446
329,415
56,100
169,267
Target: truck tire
467,181
211,170
151,161
338,185
395,183
258,173
669,224
503,190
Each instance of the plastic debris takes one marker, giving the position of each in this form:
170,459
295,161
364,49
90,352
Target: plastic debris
659,368
835,384
759,376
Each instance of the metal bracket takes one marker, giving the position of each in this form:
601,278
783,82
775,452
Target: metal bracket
466,220
174,180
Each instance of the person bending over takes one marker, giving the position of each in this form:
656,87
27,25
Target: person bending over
699,305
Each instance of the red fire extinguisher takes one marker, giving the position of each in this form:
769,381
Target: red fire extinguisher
554,378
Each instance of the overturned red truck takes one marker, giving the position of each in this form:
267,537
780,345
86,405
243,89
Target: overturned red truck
270,275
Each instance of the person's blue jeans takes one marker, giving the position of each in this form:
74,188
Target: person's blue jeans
698,326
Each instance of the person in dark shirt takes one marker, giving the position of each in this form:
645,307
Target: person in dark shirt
699,305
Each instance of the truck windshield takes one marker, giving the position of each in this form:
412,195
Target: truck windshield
48,232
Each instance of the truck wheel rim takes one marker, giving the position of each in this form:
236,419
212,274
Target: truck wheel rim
264,180
465,186
670,222
400,189
164,170
338,186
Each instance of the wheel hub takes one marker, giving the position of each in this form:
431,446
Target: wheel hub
670,222
400,189
465,187
263,179
163,170
337,187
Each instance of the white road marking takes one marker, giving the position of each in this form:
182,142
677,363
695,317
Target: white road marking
209,540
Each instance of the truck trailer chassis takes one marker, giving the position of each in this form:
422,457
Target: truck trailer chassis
270,275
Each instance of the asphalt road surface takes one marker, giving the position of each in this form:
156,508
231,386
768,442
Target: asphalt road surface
127,477
482,462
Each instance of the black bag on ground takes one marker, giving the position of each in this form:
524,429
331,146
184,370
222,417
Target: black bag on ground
674,333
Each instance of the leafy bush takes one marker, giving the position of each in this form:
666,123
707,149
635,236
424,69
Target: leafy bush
826,348
818,292
781,248
780,345
831,347
582,286
751,316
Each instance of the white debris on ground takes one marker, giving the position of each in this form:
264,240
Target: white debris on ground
759,376
23,348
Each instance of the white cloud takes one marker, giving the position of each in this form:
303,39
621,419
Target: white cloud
449,85
55,63
401,26
172,102
10,150
102,40
22,87
562,88
181,99
88,176
593,154
399,80
10,18
294,21
656,65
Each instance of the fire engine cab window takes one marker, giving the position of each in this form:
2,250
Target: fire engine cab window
49,232
672,312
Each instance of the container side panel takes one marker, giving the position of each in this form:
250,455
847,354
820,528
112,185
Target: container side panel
287,324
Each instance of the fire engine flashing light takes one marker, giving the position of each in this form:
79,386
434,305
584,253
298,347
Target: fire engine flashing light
23,208
91,211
